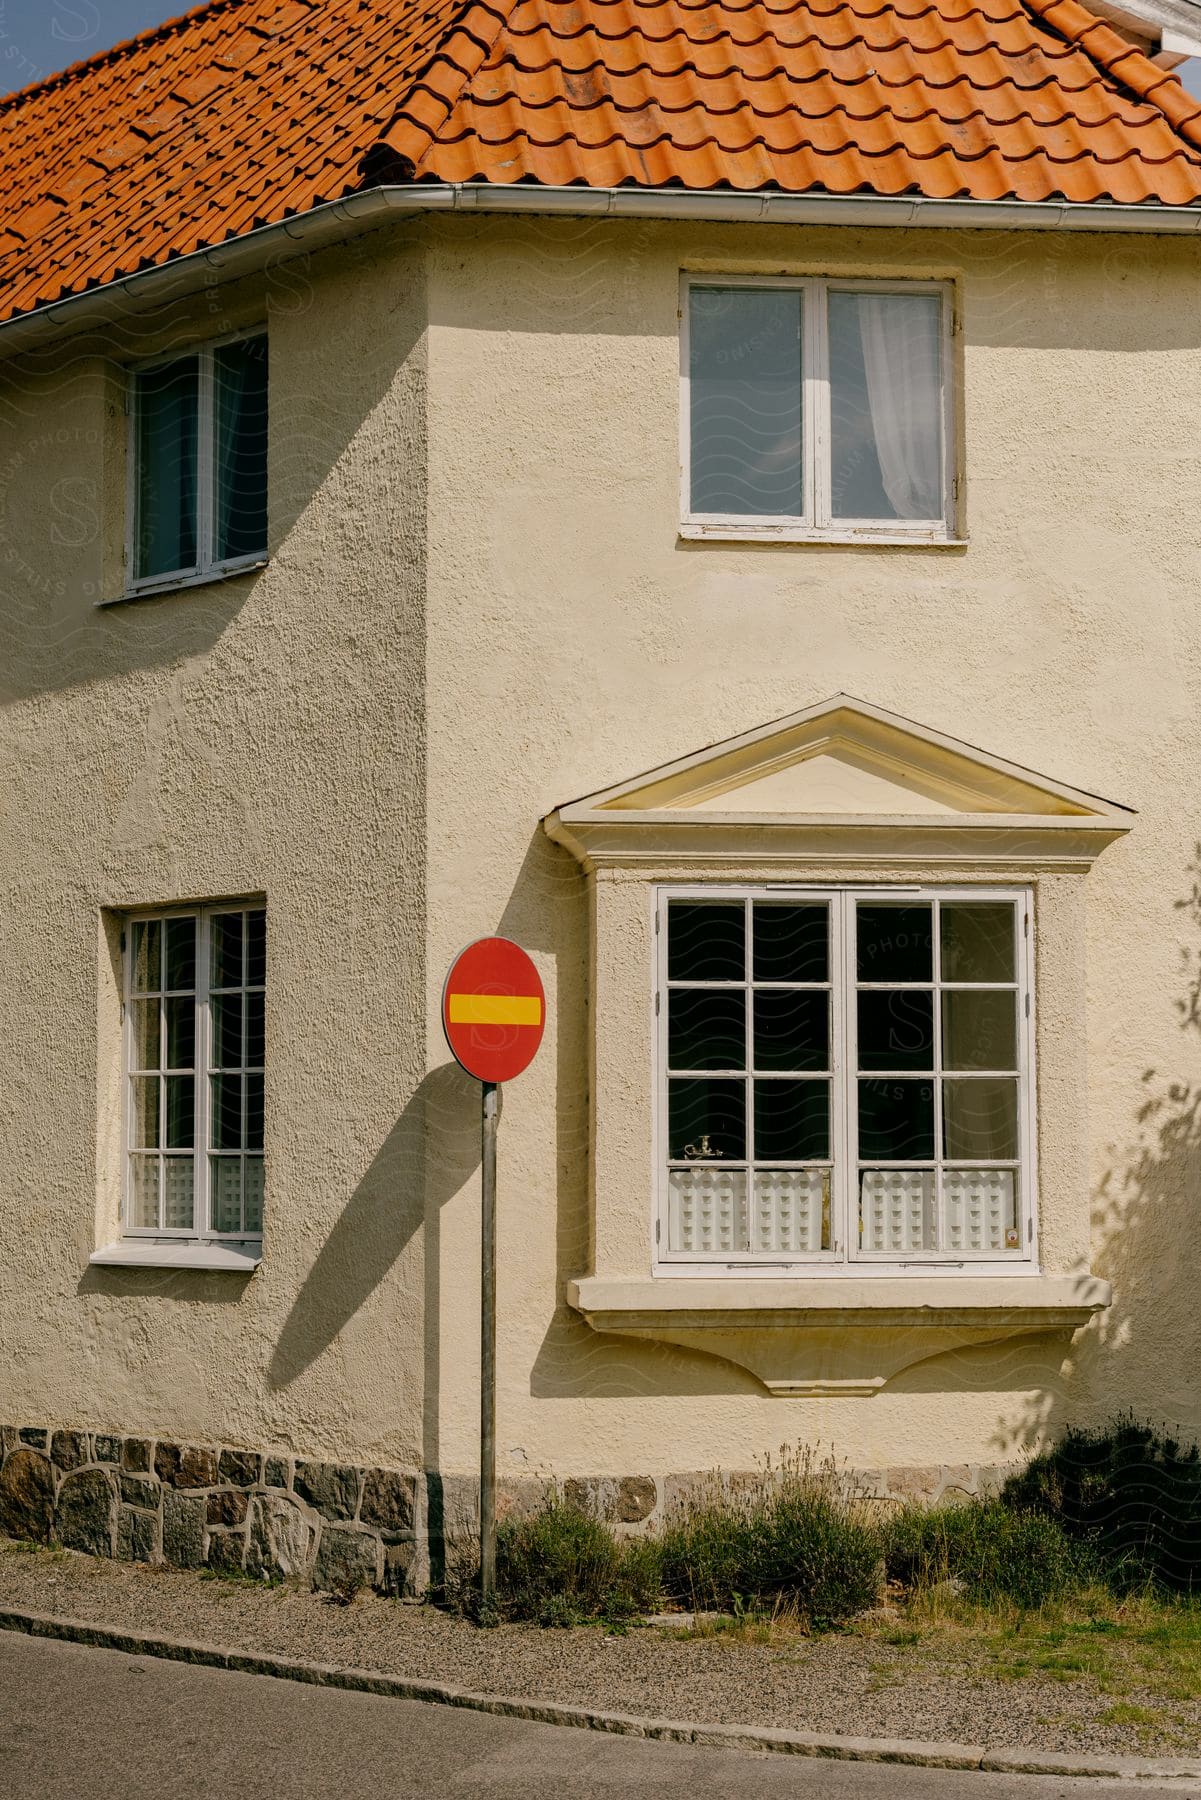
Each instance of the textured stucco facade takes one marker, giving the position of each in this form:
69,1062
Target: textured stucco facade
478,606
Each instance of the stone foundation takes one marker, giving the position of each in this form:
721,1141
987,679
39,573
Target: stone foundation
335,1526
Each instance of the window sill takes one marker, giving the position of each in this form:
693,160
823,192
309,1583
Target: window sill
171,584
818,1335
736,532
180,1253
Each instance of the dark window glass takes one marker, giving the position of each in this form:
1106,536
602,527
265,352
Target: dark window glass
979,1029
227,1031
181,1112
706,941
254,1031
792,1120
706,1028
980,1119
240,449
745,400
167,402
256,949
896,1029
895,943
227,950
792,1030
791,942
896,1121
226,1124
254,1112
181,1031
977,940
706,1119
181,953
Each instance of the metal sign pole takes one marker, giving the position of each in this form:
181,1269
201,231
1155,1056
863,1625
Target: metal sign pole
490,1096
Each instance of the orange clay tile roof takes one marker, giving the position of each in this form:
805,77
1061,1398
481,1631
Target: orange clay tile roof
247,111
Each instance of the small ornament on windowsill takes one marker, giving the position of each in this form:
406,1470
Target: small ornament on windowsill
1011,1240
702,1152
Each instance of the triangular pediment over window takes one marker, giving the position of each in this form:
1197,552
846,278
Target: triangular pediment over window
839,773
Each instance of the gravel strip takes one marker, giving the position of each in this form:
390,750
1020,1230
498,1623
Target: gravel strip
837,1684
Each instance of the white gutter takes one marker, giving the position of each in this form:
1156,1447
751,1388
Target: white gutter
342,219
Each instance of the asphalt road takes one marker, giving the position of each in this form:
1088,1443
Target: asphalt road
76,1721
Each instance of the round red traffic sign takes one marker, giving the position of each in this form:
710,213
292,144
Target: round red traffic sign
493,1009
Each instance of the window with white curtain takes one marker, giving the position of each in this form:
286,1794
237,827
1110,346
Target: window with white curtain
199,463
816,408
844,1077
195,993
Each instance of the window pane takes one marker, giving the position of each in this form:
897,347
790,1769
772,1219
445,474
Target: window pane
145,1034
252,1181
147,955
791,943
181,953
745,396
980,1119
254,1030
226,1121
792,1030
895,943
896,1029
790,1212
144,1109
706,1028
979,1209
166,402
143,1192
706,1119
181,1031
896,1121
978,940
181,1112
706,1209
256,948
886,459
979,1029
225,1182
254,1112
178,1184
792,1120
227,950
706,941
896,1210
227,1031
240,448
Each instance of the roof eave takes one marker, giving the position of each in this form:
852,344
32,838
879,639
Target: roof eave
339,220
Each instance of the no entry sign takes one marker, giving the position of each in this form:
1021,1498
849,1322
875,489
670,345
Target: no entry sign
493,1009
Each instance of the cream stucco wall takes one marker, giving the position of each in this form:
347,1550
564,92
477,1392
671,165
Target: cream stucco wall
477,607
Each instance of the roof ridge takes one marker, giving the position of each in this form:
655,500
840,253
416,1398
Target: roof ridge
1116,57
480,23
114,52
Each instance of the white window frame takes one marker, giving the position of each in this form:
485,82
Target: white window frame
815,524
199,1232
206,567
845,1257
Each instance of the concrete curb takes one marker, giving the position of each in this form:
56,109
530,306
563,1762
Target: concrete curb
547,1712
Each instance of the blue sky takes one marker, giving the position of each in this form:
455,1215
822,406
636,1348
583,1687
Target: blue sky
39,36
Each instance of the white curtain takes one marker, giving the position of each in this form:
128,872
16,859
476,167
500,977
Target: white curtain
902,363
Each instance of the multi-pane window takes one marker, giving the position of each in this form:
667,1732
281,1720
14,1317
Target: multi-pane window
844,1076
200,462
195,988
817,407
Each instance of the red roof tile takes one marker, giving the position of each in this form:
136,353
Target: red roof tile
246,111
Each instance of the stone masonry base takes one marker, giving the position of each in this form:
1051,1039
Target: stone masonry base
337,1526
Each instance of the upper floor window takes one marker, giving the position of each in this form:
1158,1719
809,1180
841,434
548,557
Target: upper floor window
199,454
817,409
845,1076
195,985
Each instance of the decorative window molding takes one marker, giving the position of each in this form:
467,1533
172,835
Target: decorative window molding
197,457
194,1001
815,409
844,804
